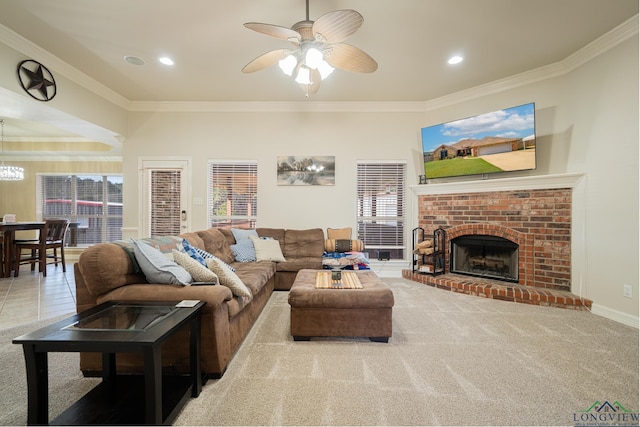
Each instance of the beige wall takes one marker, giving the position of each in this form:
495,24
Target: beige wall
19,197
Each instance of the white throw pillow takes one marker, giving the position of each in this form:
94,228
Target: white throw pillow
157,268
228,278
199,272
267,249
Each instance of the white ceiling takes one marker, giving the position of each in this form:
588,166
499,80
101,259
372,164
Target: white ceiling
410,39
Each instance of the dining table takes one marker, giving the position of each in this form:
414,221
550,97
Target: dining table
8,230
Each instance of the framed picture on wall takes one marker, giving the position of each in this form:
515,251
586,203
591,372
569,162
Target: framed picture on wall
306,170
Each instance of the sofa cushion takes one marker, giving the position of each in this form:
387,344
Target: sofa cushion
343,245
256,274
243,233
194,239
228,235
100,276
244,251
157,268
298,264
216,244
339,233
303,243
206,255
276,233
192,252
198,272
229,279
267,249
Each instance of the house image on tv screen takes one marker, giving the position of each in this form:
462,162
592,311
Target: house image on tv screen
500,141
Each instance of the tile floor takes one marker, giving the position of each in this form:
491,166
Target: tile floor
31,297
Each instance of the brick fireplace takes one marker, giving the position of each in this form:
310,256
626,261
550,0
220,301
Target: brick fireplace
537,220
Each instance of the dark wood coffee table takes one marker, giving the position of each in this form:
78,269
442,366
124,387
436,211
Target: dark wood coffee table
111,328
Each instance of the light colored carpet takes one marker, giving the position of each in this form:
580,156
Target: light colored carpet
453,360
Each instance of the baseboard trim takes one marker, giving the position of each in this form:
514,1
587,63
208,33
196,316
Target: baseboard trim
615,315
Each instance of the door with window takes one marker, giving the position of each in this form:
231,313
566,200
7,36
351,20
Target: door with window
164,197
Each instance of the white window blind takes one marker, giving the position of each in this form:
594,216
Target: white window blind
381,206
93,204
164,209
233,193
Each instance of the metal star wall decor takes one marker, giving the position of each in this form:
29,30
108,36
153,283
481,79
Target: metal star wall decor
36,80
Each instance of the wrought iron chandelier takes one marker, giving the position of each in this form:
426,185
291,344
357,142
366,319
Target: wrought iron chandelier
8,173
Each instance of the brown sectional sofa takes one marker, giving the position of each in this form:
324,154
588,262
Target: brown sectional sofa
107,272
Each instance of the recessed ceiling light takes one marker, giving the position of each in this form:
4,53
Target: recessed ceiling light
456,59
134,60
166,60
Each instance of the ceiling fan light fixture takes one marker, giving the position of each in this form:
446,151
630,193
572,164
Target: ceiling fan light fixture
288,64
319,48
304,76
313,58
325,69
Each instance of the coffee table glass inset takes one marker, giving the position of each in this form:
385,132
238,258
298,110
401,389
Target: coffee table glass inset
111,328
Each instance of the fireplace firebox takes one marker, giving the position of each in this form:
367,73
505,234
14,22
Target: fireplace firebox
484,256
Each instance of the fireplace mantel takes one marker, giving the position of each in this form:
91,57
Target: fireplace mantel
534,182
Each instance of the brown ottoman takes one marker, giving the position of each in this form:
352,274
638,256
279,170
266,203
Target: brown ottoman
362,312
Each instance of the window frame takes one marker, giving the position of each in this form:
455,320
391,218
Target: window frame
366,211
81,221
216,169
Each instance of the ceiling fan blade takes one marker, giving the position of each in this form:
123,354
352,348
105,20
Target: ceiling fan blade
265,60
350,58
282,33
336,26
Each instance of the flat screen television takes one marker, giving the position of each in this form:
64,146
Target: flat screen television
499,141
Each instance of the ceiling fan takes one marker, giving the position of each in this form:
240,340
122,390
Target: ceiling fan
318,48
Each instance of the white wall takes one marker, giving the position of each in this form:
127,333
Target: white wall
601,113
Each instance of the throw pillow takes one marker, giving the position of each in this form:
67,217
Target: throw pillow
244,251
339,233
229,279
198,272
267,249
243,233
157,268
206,255
191,251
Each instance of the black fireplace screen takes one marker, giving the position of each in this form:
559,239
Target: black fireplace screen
485,256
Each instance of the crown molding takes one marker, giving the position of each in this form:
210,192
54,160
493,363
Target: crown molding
278,107
33,51
597,47
602,44
60,157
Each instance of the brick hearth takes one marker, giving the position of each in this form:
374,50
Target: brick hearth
496,289
538,220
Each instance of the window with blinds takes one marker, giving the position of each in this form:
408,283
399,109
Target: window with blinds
233,194
93,204
381,207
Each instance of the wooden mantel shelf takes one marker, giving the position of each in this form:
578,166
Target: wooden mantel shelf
533,182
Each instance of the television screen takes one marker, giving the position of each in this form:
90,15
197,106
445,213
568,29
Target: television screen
500,141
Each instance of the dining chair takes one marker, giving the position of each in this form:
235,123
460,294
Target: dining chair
50,238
